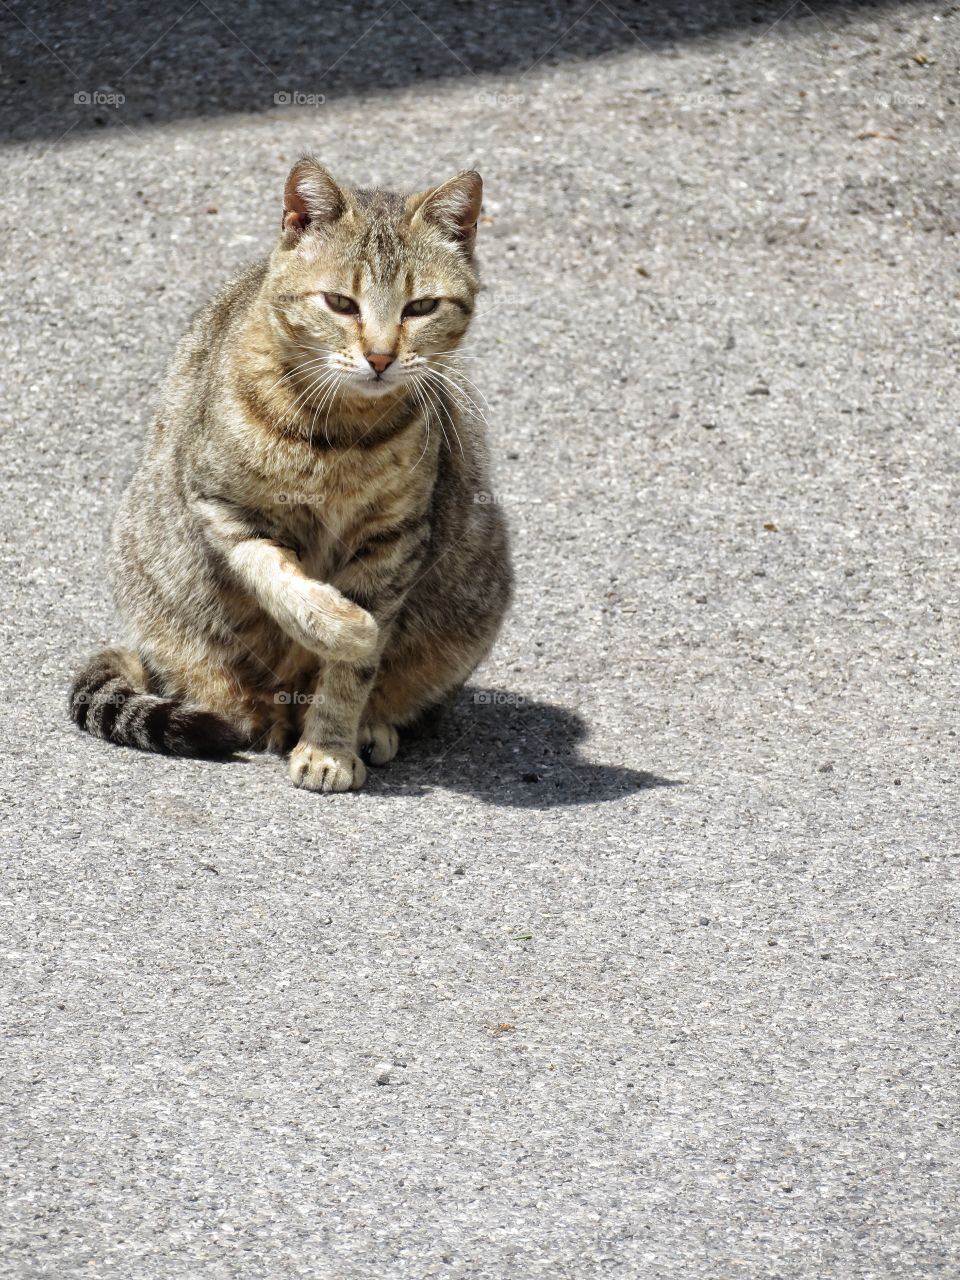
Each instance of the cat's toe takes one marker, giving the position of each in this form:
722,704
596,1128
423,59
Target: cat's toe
378,743
326,768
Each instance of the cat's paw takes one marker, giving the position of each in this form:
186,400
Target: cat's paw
350,633
327,623
378,743
326,768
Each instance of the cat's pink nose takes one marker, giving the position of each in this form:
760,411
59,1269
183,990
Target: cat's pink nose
379,360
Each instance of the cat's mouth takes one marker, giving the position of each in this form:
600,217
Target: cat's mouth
374,384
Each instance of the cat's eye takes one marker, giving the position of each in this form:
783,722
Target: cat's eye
421,307
340,303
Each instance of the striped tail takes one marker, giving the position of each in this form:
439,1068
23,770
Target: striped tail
110,699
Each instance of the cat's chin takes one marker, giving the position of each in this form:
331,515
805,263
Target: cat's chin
364,388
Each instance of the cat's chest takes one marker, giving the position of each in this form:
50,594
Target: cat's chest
327,523
319,527
327,506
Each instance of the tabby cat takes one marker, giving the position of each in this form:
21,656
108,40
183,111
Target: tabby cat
305,558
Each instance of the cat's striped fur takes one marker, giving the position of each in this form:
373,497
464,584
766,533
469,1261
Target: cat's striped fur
305,557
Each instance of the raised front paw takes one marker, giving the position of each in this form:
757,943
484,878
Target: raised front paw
378,743
327,623
326,768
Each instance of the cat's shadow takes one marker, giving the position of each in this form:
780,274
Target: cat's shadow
509,751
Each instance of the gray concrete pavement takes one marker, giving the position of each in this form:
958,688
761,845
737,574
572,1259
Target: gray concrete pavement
659,937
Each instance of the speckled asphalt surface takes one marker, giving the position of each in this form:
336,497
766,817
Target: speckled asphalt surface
656,944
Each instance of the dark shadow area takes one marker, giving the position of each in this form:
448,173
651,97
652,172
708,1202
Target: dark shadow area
510,752
71,68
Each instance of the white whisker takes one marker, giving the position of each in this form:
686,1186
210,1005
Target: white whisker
457,395
436,397
448,373
426,422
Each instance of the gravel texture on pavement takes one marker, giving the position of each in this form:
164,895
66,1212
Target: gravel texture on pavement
647,966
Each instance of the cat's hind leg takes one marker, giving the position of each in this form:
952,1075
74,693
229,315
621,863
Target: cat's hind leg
415,686
114,697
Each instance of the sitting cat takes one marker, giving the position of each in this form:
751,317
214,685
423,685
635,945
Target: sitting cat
304,558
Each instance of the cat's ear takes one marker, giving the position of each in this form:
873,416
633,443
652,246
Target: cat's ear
310,196
454,207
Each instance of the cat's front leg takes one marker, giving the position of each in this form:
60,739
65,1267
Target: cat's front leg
313,613
325,758
379,573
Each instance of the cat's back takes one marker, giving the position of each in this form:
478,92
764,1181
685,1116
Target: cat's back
152,519
205,346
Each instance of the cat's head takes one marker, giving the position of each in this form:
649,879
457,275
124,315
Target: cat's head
371,286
